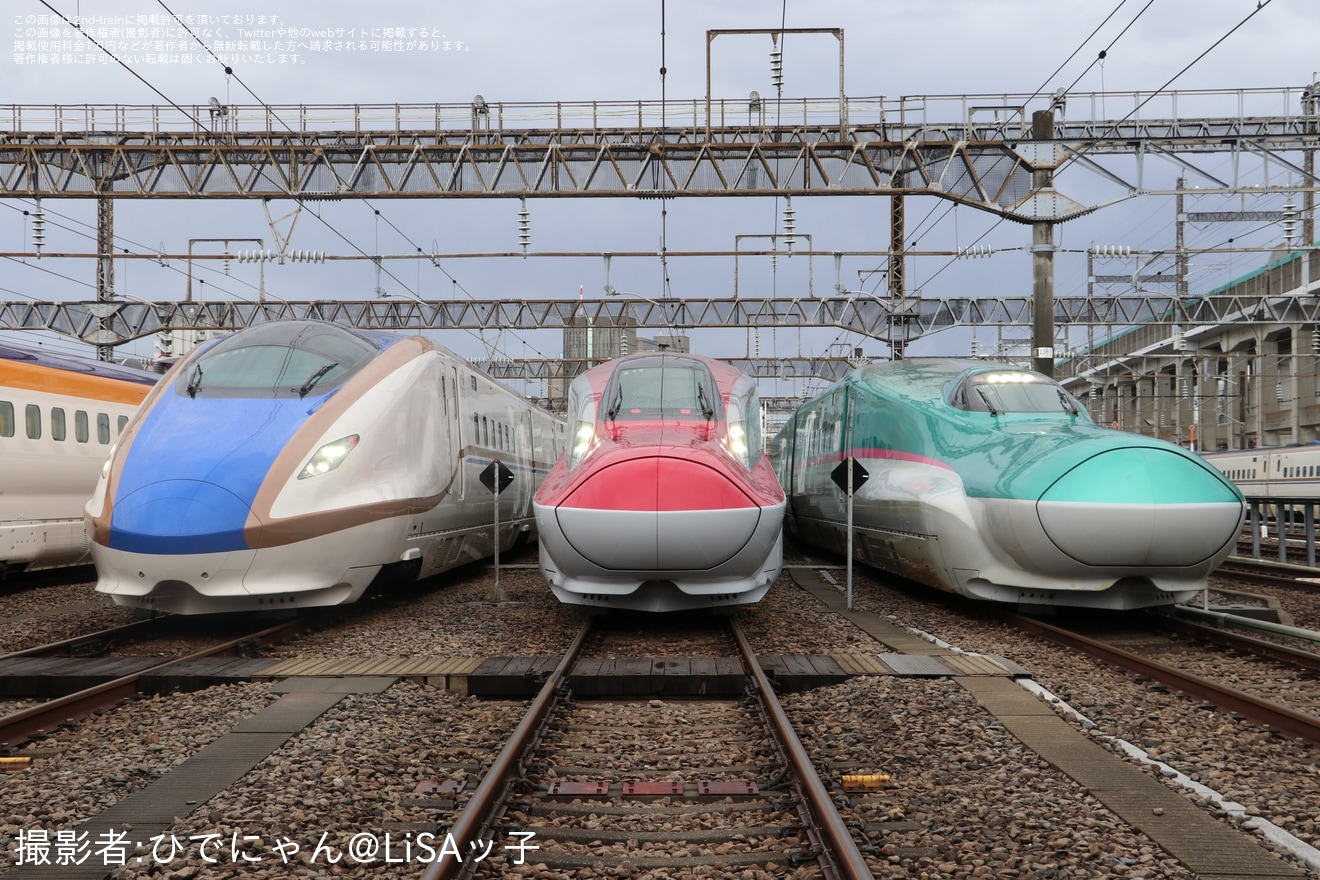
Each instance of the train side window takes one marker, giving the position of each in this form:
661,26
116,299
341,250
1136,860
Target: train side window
32,416
80,426
120,424
476,429
6,419
58,424
103,429
485,432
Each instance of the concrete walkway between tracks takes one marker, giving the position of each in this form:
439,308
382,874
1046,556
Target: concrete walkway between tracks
152,810
1204,844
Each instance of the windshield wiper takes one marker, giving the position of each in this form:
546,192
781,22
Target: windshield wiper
316,377
1066,401
617,405
707,410
988,405
194,381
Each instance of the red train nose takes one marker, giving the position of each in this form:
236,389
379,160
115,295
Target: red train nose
658,513
659,482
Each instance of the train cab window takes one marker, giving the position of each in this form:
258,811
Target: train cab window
80,432
32,419
120,424
103,429
663,387
6,419
1014,391
743,420
278,360
58,424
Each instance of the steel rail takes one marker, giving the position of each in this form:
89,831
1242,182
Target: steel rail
1238,641
69,646
18,726
847,857
478,811
1281,718
1269,573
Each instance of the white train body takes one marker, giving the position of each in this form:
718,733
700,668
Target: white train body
235,500
58,419
1271,472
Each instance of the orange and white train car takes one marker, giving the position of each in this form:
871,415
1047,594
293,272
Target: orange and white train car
59,418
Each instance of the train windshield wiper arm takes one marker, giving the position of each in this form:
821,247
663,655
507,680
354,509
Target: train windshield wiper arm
316,377
707,411
617,405
988,405
1066,401
194,381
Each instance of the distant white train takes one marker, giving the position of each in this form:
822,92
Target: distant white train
289,464
1271,471
59,416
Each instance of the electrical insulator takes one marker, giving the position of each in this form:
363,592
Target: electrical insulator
524,227
1315,339
1278,391
790,223
38,228
777,67
975,251
228,259
1289,223
1111,250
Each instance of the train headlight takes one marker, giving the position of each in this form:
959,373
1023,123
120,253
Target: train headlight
105,468
583,436
329,457
737,440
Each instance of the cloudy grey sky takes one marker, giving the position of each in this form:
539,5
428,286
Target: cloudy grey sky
578,51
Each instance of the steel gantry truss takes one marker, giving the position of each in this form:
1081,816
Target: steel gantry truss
975,150
991,152
112,323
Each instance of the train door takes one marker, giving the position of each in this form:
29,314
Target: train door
454,425
524,455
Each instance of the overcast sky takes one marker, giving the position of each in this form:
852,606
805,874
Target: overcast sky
578,51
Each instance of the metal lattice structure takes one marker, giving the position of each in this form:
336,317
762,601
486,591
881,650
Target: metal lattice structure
975,150
990,152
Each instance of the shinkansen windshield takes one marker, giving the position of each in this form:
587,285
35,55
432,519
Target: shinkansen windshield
662,387
292,359
1013,391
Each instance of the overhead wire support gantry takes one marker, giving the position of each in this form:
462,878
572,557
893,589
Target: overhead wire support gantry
972,149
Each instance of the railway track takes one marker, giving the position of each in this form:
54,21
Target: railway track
727,780
1259,680
1262,571
19,726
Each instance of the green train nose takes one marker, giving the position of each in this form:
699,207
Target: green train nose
1140,506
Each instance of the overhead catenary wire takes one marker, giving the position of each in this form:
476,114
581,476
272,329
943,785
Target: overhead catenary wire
1259,6
229,71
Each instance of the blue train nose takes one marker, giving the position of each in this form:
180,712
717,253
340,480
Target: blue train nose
1140,506
179,516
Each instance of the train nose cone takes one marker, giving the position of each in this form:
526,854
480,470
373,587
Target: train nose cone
1140,506
658,514
179,516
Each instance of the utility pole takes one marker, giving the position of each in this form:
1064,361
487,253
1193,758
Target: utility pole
1042,259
